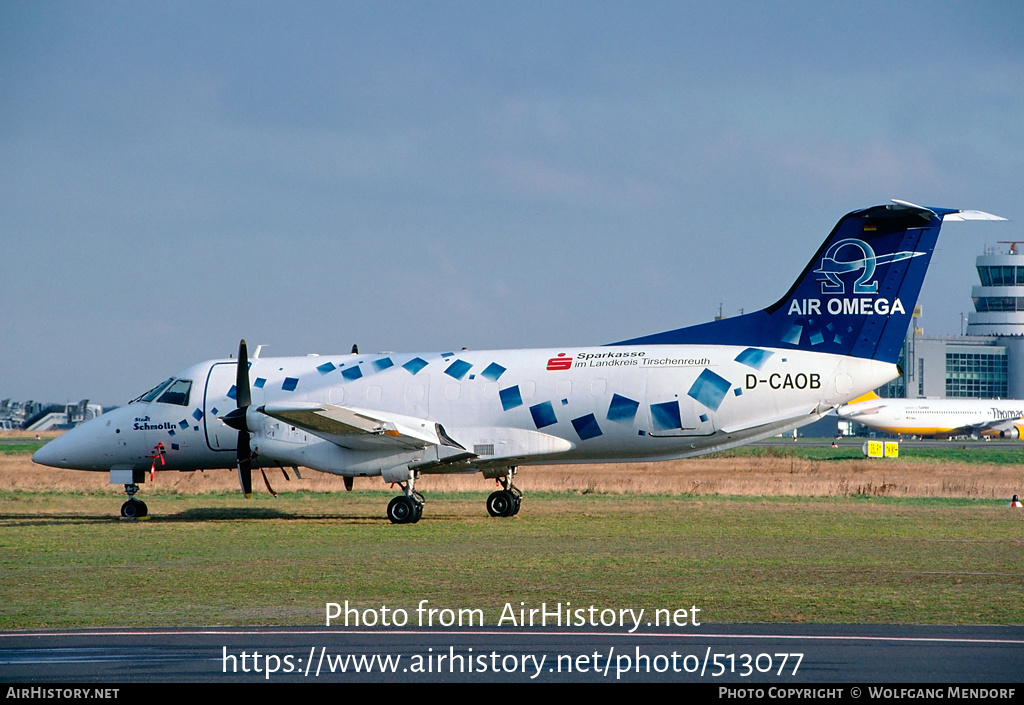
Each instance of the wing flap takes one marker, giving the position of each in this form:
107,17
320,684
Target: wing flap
783,419
358,429
495,446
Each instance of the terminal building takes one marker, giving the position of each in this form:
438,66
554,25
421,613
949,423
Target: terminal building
988,361
33,416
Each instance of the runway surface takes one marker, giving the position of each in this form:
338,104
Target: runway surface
712,654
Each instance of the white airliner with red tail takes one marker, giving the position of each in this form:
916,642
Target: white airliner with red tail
832,337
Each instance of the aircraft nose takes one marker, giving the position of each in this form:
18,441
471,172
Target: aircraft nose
81,448
57,453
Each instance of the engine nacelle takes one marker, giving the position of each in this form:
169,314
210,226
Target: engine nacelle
1012,432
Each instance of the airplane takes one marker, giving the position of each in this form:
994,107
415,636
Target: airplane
835,335
937,417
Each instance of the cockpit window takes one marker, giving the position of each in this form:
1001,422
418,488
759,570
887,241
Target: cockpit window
177,393
152,393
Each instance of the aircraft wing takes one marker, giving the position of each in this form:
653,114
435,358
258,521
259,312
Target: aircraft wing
360,429
855,411
783,419
993,425
372,430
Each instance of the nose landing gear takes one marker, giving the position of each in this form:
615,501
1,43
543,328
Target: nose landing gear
133,508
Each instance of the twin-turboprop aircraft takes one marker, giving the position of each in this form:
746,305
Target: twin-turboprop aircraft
834,336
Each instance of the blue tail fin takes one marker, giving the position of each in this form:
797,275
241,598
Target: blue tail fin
855,297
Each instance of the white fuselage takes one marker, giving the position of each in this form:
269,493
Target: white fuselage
511,407
938,417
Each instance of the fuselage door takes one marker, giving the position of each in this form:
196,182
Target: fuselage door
216,402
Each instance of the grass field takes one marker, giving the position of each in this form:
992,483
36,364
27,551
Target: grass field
747,537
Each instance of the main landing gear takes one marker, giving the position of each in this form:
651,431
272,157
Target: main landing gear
506,501
133,508
406,508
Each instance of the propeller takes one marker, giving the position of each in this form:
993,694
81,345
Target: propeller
236,420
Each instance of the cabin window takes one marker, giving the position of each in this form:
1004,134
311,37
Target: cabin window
563,389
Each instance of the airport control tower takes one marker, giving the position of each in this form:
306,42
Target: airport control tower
999,301
987,362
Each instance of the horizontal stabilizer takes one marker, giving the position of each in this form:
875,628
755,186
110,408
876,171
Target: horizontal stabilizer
971,215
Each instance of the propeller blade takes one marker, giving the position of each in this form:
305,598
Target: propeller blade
243,396
236,420
244,464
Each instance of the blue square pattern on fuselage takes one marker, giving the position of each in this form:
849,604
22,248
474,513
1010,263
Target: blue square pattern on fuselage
543,414
415,365
710,389
458,369
665,416
754,357
510,398
622,409
587,427
492,372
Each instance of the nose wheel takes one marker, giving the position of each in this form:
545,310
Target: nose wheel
133,508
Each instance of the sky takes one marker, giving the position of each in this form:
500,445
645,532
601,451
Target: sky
425,176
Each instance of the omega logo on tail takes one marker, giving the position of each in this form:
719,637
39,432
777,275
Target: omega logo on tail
864,258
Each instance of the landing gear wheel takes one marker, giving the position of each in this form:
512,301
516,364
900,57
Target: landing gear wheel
403,510
502,503
134,509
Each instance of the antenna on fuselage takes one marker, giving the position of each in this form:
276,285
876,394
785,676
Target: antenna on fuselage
355,349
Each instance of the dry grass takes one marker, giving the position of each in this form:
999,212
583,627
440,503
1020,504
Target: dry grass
43,435
749,476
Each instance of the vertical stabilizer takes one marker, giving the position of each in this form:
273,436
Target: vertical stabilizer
855,297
